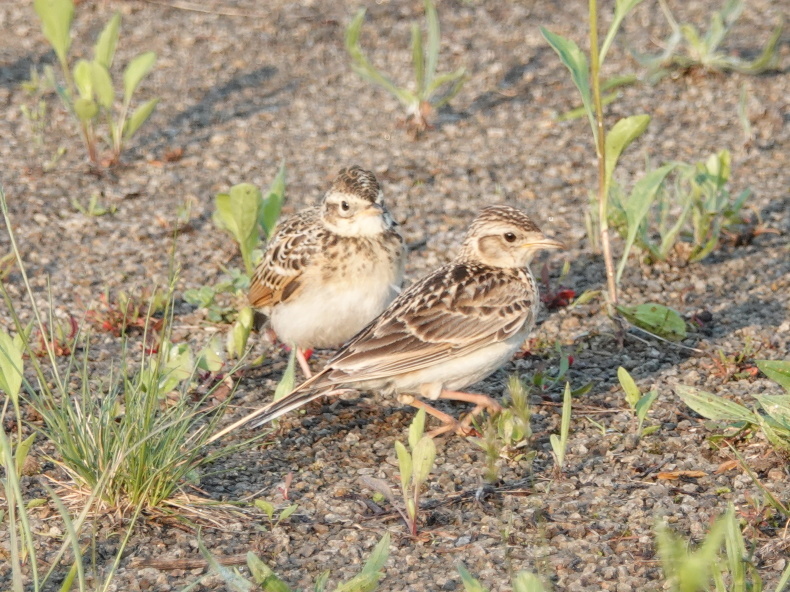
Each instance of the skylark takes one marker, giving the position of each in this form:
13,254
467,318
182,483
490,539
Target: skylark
328,271
451,329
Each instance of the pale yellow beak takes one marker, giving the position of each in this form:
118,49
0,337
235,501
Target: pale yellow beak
543,243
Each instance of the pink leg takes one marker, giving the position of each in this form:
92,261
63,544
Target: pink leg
303,363
449,423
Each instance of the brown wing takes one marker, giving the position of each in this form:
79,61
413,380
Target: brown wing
457,309
288,253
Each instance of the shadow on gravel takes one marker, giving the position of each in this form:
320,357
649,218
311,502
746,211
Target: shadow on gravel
14,73
239,98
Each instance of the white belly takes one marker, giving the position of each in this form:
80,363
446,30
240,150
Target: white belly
333,314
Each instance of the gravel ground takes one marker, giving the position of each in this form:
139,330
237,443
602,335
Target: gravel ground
242,93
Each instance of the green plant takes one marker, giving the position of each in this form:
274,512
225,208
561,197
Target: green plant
244,213
89,94
773,418
523,581
640,404
694,208
425,98
507,434
265,579
269,509
686,48
94,208
705,568
221,300
114,436
559,444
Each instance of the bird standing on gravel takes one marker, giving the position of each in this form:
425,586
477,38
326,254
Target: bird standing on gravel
328,271
451,329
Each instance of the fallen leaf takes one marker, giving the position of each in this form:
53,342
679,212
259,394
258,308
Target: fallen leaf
673,475
727,465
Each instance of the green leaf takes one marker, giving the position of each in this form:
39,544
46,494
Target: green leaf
102,85
777,407
766,60
86,109
711,406
237,212
643,406
416,428
273,204
623,132
423,456
656,319
471,584
621,10
104,50
404,465
240,334
637,207
139,117
266,507
56,17
370,575
527,582
288,381
286,513
83,78
632,393
434,39
11,365
320,582
776,370
134,73
22,450
417,58
263,575
576,62
232,579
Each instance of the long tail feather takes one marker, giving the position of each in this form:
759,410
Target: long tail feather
301,395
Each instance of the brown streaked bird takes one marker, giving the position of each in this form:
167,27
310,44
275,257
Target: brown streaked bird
451,329
328,271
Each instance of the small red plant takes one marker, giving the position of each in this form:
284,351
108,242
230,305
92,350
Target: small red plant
125,312
553,299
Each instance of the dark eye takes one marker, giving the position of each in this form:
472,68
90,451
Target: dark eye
344,206
510,237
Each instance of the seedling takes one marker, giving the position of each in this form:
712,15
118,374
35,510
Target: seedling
687,49
119,312
89,94
426,98
94,208
415,467
244,213
265,579
268,508
221,301
559,444
239,334
608,145
640,404
773,421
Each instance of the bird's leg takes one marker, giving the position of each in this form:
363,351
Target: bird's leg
481,402
303,363
449,423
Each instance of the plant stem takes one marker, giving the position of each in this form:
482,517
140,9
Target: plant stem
600,149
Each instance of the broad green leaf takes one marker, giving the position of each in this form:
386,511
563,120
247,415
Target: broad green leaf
139,117
210,357
134,73
643,406
416,428
423,457
104,50
773,435
527,582
83,78
22,450
777,407
240,334
434,38
273,204
404,465
621,135
471,584
565,424
776,370
368,578
102,85
265,506
86,109
288,381
637,207
237,212
632,393
576,62
656,319
711,406
11,365
263,575
56,17
417,57
320,581
286,513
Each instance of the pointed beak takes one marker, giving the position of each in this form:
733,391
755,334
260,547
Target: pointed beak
543,242
374,209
